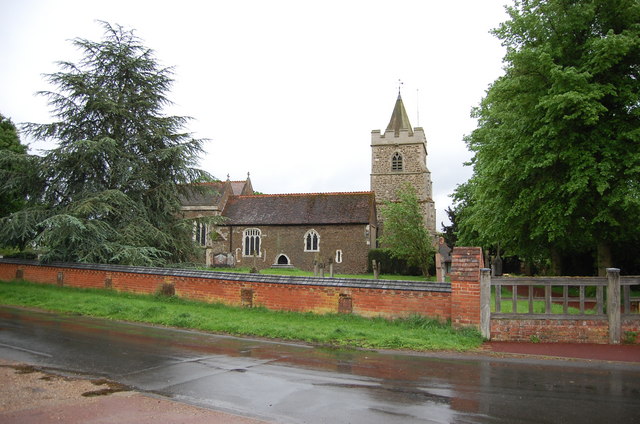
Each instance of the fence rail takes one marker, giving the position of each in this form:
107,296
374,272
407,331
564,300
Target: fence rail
580,297
542,291
595,298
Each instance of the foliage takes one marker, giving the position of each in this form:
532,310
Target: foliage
557,149
110,191
404,233
9,138
417,333
450,232
629,337
12,155
390,264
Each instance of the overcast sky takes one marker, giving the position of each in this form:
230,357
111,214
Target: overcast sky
286,90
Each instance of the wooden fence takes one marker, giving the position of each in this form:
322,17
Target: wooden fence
607,298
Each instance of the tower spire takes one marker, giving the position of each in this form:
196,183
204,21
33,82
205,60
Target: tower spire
399,118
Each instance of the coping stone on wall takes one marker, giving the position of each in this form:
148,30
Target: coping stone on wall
402,285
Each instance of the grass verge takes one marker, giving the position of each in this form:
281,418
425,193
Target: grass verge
413,333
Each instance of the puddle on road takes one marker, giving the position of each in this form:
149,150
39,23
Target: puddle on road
24,369
112,387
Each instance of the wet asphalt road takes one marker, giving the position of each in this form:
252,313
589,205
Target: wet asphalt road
291,383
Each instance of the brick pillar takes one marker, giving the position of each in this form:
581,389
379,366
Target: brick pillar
465,286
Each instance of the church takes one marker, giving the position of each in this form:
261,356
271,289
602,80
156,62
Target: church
308,230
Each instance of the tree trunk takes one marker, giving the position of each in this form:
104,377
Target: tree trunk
425,272
556,261
604,259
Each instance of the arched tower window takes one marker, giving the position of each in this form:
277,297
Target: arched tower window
251,242
312,241
396,162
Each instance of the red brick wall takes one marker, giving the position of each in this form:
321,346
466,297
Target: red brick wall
461,304
286,294
550,330
465,286
558,330
630,325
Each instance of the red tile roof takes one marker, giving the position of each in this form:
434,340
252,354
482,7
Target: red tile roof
300,209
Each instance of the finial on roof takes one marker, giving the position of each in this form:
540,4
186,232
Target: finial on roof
400,83
247,175
228,177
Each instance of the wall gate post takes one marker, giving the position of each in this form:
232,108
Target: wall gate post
613,304
465,286
485,303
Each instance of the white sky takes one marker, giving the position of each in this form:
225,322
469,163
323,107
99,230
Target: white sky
286,90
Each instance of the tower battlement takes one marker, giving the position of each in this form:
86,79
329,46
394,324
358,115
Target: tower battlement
402,136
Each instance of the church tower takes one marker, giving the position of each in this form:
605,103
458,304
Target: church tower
399,155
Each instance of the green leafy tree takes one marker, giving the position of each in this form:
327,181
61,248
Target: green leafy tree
12,163
405,235
557,149
9,138
450,232
110,191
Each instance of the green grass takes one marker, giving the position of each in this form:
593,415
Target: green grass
414,333
538,307
522,306
300,273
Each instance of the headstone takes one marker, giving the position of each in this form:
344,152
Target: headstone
220,259
439,273
376,269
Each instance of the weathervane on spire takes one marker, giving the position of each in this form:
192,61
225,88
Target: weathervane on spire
400,83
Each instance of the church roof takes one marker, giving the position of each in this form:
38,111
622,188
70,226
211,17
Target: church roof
237,187
202,194
399,118
300,209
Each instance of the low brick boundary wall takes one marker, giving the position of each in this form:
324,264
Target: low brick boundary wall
550,330
605,316
458,302
369,298
558,330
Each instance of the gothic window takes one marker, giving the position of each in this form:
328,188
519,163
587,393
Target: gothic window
396,162
200,233
251,242
338,256
312,241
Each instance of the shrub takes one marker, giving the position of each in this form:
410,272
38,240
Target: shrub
389,264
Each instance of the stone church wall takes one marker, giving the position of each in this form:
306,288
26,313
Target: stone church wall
354,242
386,187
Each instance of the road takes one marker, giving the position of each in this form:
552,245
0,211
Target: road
292,383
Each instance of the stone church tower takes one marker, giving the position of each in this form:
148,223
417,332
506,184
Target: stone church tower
399,155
